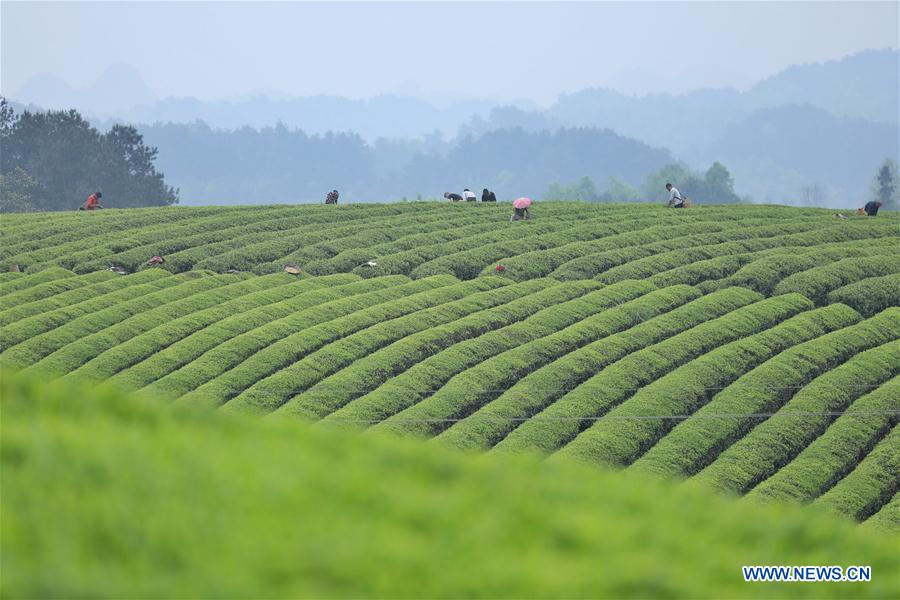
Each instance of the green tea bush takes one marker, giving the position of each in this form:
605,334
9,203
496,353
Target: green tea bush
774,442
483,428
218,305
51,288
871,295
696,442
273,305
233,364
429,375
478,386
38,317
538,390
627,430
175,303
837,451
592,260
888,518
817,282
495,326
293,374
34,347
764,274
870,485
576,407
656,263
23,283
116,497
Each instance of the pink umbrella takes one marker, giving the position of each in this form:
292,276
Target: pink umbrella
522,203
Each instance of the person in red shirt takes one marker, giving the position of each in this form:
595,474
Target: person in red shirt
93,202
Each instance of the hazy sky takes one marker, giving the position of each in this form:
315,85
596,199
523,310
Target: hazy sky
499,50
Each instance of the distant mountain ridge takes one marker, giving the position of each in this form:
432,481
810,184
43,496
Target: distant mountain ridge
823,125
857,86
864,85
119,88
798,146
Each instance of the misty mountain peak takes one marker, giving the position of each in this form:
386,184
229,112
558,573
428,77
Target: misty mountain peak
47,90
120,87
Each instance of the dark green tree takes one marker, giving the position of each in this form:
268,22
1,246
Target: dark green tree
7,117
719,186
718,177
583,190
716,186
126,170
886,186
654,187
17,191
68,160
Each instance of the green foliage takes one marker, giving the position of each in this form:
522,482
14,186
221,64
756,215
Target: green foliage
36,318
582,190
871,295
109,496
476,366
38,337
54,160
886,185
767,272
818,282
627,429
740,451
581,259
420,238
887,518
17,191
619,191
870,485
495,419
718,178
22,283
543,392
440,351
294,376
716,186
191,316
250,356
23,299
601,315
835,453
655,184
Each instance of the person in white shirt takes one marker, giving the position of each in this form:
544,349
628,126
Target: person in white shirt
675,198
469,195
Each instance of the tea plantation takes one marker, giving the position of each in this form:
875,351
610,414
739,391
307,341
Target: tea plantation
109,496
752,349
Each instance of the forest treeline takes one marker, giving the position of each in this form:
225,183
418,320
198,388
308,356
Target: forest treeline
281,164
52,160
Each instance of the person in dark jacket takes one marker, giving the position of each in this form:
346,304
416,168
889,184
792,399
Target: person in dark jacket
488,196
520,214
453,197
871,208
332,197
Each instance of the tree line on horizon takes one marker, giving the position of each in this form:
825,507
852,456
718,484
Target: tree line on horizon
53,160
